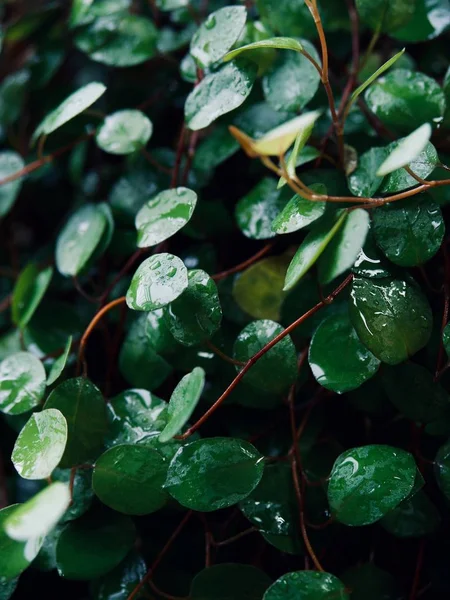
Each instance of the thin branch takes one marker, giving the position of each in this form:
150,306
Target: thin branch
243,265
234,538
222,355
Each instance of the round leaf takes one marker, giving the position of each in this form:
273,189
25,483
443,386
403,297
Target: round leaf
256,211
307,585
10,162
225,581
29,290
414,517
93,545
158,281
360,489
217,35
82,404
219,93
165,214
22,383
182,403
299,213
210,474
337,358
124,132
400,180
195,315
277,369
130,478
40,445
15,556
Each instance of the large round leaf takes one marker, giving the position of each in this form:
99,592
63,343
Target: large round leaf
158,281
22,383
40,445
129,478
277,369
29,290
210,474
391,317
124,132
226,581
307,585
82,404
15,556
165,214
10,162
338,360
195,315
360,489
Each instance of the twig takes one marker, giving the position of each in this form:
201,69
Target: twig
222,355
243,265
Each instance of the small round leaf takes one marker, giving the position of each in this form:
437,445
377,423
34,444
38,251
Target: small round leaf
22,383
124,132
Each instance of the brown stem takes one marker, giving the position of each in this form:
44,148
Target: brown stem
254,359
193,141
234,538
418,570
155,163
5,303
178,157
243,265
223,356
123,271
159,592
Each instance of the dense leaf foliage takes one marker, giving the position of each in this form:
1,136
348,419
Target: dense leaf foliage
224,299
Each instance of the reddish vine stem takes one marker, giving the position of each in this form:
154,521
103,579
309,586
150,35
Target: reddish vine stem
222,355
160,556
159,592
178,157
254,359
5,303
123,271
418,570
234,538
243,265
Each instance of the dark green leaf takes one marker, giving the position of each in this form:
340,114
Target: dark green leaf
121,581
22,383
28,292
59,364
368,582
82,492
124,132
10,162
429,20
414,517
256,211
226,581
307,585
387,15
364,181
13,92
299,212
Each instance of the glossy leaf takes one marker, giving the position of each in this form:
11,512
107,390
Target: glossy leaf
391,317
214,473
28,292
82,404
277,369
39,515
158,281
307,585
364,181
422,166
129,478
93,545
196,314
414,517
256,211
405,99
278,43
219,93
409,233
360,489
337,358
217,35
278,140
385,15
124,132
408,149
165,214
70,108
15,556
82,492
299,212
22,383
10,162
118,40
182,403
58,366
312,247
345,247
224,581
121,581
40,445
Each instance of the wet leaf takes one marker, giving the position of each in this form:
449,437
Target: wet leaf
279,43
364,181
256,211
124,132
401,180
22,383
307,585
28,292
121,581
414,517
387,15
300,212
407,150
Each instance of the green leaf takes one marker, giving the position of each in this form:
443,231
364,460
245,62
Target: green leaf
214,473
368,582
130,478
407,150
182,403
10,162
300,212
28,292
391,317
310,153
256,211
72,106
370,262
259,289
215,149
312,247
360,489
219,93
385,15
364,181
37,517
80,238
195,315
82,492
93,545
226,581
121,581
277,369
414,517
279,43
337,358
165,214
13,92
217,35
82,404
158,281
307,585
359,90
442,468
22,383
15,556
422,166
429,20
409,233
124,132
292,81
345,247
84,12
58,366
134,415
40,445
405,99
118,40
